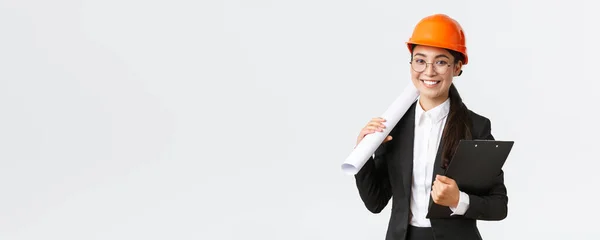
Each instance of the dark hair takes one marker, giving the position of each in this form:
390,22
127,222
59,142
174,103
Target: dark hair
458,123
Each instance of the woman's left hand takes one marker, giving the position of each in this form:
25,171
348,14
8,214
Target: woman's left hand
445,191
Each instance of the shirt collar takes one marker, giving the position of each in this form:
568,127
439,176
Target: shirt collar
436,114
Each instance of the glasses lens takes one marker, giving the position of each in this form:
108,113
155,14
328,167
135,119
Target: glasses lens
440,68
418,65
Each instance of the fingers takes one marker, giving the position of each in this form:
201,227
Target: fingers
439,188
378,119
367,130
374,128
439,192
444,179
435,196
375,125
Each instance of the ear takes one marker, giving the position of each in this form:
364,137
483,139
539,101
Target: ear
458,69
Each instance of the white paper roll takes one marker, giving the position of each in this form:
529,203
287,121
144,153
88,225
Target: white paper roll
367,146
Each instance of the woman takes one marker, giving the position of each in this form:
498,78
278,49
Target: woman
409,164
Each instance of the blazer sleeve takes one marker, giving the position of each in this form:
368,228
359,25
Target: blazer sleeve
373,181
494,205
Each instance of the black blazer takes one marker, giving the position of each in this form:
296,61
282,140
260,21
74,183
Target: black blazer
390,174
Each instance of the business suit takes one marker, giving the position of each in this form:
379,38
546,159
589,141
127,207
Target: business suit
389,174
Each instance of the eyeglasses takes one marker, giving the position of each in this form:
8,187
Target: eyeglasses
440,67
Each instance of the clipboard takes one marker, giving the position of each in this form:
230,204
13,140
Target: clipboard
474,167
476,163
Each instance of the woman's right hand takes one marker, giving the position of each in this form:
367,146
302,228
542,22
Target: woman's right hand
376,124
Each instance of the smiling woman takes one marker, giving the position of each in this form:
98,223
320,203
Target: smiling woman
422,143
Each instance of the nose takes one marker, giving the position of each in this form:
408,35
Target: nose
429,71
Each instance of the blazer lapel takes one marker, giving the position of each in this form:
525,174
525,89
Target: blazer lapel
437,169
405,146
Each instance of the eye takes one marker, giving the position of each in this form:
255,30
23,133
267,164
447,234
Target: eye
420,61
441,62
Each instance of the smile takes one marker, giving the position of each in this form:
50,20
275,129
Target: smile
429,83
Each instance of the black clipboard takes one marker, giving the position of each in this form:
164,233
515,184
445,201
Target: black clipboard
474,166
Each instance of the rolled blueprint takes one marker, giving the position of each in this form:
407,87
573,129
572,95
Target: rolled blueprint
367,146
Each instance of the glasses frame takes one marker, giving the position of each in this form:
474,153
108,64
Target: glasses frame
427,65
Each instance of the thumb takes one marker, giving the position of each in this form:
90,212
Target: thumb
443,179
388,138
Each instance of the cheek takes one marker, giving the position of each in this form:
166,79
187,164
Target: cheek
448,79
414,75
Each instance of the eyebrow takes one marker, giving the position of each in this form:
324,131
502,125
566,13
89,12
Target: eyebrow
440,55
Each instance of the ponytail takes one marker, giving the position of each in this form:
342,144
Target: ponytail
458,126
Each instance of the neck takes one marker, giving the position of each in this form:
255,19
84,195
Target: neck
430,103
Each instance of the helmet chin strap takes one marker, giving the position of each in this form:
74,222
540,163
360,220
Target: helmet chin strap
459,73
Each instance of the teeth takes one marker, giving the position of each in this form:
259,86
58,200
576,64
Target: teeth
430,82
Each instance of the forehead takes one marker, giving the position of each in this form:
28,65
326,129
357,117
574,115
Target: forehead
433,52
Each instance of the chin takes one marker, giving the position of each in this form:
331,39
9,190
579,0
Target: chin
427,94
430,93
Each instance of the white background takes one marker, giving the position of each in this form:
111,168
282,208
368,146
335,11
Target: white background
124,119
